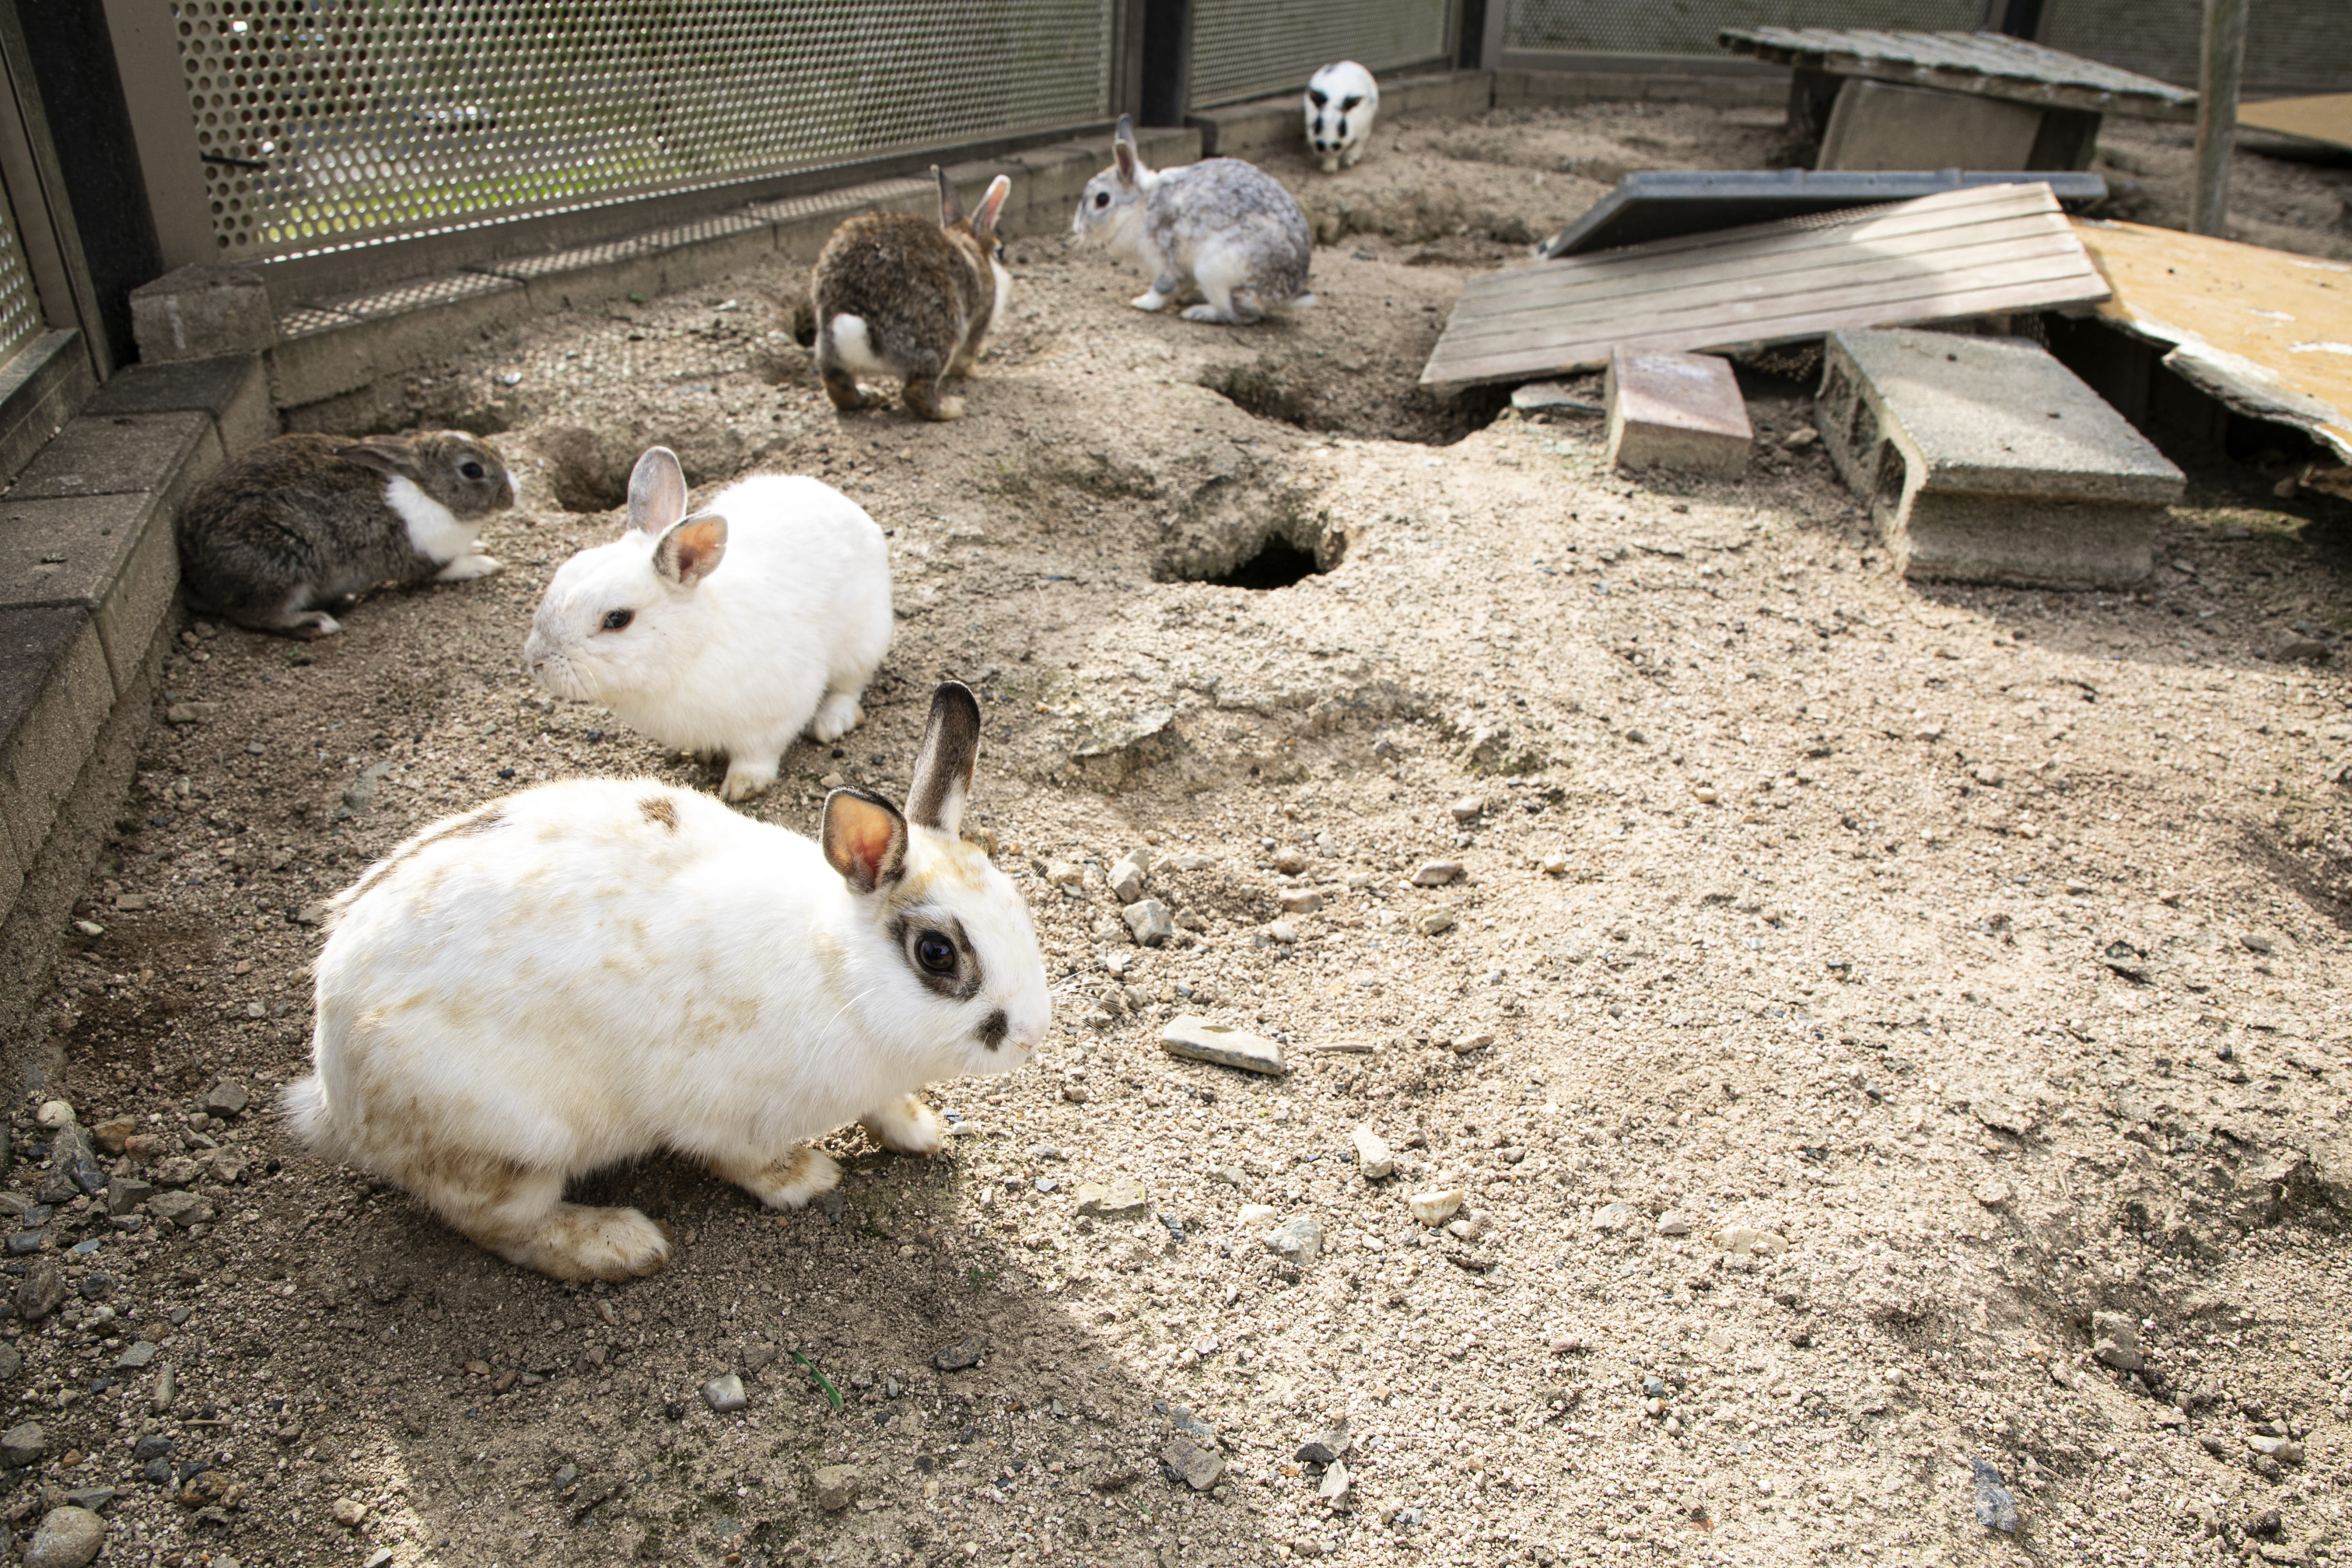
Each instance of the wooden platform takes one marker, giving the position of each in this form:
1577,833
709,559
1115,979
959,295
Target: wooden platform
2266,332
2326,118
1966,253
1991,65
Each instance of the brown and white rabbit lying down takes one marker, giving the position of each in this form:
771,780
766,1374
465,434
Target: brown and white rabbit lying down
587,972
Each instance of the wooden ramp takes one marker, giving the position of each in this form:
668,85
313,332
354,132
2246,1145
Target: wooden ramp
1964,253
2326,119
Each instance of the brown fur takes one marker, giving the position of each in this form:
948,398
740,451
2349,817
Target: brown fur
926,292
659,810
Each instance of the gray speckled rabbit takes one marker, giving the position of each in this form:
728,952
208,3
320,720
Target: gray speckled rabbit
1220,228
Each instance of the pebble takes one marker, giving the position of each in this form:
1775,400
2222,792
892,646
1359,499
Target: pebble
1189,1424
349,1511
1197,1039
1195,1466
1435,1207
1741,1240
1120,1198
227,1098
1555,864
964,1352
1992,1193
1609,1218
1232,1176
40,1292
1298,1240
1290,862
1335,1483
837,1487
1149,921
725,1393
1062,874
1467,809
23,1445
1257,1214
1284,932
181,1208
125,1194
1996,1509
1674,1222
67,1538
1325,1448
1437,873
1300,901
1125,877
137,1358
1372,1156
1435,921
1542,394
2285,1451
54,1114
2115,1337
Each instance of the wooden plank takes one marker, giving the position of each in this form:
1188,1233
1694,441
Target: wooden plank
1957,253
1981,64
2266,332
2326,118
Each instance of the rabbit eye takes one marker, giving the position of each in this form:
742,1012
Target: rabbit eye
1102,198
618,620
935,953
471,469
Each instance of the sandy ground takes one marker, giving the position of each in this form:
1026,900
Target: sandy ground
1877,1028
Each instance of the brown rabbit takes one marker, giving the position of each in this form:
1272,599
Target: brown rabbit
304,521
897,295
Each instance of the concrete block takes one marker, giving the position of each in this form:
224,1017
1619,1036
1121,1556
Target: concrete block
43,384
201,311
1441,93
1678,412
112,555
56,693
1878,125
233,389
123,454
1986,460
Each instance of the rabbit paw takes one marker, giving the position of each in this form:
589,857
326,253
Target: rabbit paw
1149,299
314,624
786,1183
1207,313
745,780
908,1127
576,1242
837,716
465,568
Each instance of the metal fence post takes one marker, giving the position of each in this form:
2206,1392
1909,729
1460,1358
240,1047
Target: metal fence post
2216,113
155,90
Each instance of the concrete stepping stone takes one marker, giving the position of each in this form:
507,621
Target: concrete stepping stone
1677,412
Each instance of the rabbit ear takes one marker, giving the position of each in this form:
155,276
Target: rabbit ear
656,491
865,838
992,205
692,550
951,209
943,768
385,457
1122,151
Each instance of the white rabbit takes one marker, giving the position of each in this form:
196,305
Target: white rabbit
1222,229
1341,101
729,632
590,972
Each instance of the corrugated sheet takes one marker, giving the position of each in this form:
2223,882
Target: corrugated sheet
1255,48
1645,27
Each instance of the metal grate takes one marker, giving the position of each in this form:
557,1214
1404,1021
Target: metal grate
1254,48
1645,27
330,124
20,310
2292,46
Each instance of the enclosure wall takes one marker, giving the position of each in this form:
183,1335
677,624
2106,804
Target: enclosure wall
1250,49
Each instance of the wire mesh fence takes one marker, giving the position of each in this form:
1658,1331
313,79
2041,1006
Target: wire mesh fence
1254,49
323,124
20,310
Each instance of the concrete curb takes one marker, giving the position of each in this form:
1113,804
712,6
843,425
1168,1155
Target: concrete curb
87,575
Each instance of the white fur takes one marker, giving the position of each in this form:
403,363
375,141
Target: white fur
788,627
850,343
433,531
1003,291
1338,136
590,972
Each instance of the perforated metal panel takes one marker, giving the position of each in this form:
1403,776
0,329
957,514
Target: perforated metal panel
1646,28
2292,46
20,310
329,123
1254,49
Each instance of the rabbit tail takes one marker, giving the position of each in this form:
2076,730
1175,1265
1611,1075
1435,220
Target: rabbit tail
306,1108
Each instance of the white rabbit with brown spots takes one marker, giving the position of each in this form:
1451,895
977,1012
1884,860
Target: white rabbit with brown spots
587,972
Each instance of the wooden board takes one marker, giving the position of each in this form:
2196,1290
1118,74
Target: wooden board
1991,65
2327,118
2266,332
1964,253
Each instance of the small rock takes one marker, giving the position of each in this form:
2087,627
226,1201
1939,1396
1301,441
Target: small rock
1537,395
2285,1451
964,1352
24,1445
183,1209
125,1194
724,1394
1298,1240
1231,1175
1290,861
132,903
1335,1483
177,1171
1149,921
2115,1341
1372,1156
349,1511
837,1487
1554,864
1609,1218
1122,1197
98,1499
1300,901
40,1292
54,1114
1996,1509
2303,650
1195,1466
1126,878
1435,921
1993,1192
1188,1424
67,1538
1741,1240
1199,1040
1798,439
1437,873
1435,1207
137,1358
1674,1222
1325,1447
1255,1214
1284,932
113,1132
227,1098
1064,874
1466,809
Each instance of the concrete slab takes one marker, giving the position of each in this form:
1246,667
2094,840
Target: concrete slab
1678,412
55,696
233,389
200,310
1878,125
1984,460
112,555
123,454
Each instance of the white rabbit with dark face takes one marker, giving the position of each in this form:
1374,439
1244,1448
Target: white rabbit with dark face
1220,228
591,972
730,632
1341,101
